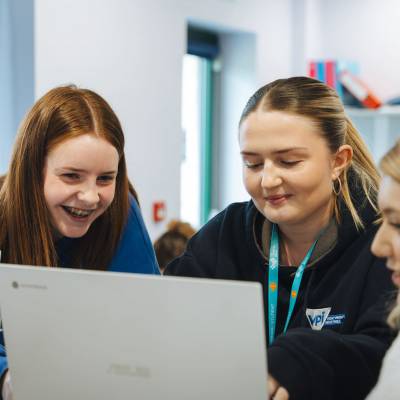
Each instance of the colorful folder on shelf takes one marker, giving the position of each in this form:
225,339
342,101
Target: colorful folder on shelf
359,90
342,75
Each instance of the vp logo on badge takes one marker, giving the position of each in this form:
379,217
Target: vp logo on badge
317,317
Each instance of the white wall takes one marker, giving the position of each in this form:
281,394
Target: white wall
237,85
367,31
23,49
16,71
6,85
130,51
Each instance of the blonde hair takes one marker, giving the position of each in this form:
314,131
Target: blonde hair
312,99
390,166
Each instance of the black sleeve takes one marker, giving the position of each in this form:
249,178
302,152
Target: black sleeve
329,365
199,259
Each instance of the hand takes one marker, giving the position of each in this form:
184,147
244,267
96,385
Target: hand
6,390
276,391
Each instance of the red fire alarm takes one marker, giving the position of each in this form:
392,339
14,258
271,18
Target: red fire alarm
159,211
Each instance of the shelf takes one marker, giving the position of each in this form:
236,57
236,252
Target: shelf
368,112
379,128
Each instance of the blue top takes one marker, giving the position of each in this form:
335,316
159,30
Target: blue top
134,254
135,251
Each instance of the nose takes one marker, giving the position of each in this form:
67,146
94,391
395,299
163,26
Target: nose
381,244
270,177
89,194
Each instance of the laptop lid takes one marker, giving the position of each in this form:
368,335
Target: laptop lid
77,334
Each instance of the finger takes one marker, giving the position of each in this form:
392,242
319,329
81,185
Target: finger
272,385
281,394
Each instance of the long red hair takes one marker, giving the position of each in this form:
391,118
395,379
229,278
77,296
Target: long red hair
25,229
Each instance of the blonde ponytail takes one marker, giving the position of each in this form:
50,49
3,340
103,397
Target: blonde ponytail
364,170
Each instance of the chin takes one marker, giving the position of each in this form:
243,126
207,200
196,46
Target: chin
278,217
74,233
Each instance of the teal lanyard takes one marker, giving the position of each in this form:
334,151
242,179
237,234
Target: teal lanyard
273,283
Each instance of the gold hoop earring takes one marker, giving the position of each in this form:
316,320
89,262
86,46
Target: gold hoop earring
335,190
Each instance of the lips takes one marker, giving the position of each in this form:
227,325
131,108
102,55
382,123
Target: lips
78,212
277,199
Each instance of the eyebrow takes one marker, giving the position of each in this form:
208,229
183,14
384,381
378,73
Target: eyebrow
82,170
287,150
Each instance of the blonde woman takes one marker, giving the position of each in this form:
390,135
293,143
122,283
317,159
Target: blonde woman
305,235
387,245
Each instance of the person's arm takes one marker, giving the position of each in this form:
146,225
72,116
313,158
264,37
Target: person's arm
5,383
220,248
199,258
329,365
6,387
135,251
3,360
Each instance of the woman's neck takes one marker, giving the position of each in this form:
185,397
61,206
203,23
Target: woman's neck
296,239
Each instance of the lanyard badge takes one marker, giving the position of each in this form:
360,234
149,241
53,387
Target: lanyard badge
273,283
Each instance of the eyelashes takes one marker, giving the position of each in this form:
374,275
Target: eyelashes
74,177
252,166
394,225
290,163
284,163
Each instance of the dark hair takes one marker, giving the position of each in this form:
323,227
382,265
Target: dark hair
25,229
172,243
312,99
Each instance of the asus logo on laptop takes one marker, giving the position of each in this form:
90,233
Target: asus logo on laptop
129,370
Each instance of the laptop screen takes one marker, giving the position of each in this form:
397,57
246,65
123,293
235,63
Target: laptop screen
77,334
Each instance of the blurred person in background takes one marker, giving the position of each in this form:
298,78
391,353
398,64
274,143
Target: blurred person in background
172,243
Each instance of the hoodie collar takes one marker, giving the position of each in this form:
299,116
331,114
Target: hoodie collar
325,243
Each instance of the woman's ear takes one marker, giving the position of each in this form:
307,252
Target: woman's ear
341,160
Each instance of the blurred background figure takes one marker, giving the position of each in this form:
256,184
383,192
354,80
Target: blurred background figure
172,243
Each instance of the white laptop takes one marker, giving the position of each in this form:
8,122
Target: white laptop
84,335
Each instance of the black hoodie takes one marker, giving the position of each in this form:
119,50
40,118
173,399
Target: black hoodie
351,286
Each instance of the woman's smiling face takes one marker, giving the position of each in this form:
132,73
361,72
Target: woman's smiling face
288,168
387,240
79,183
